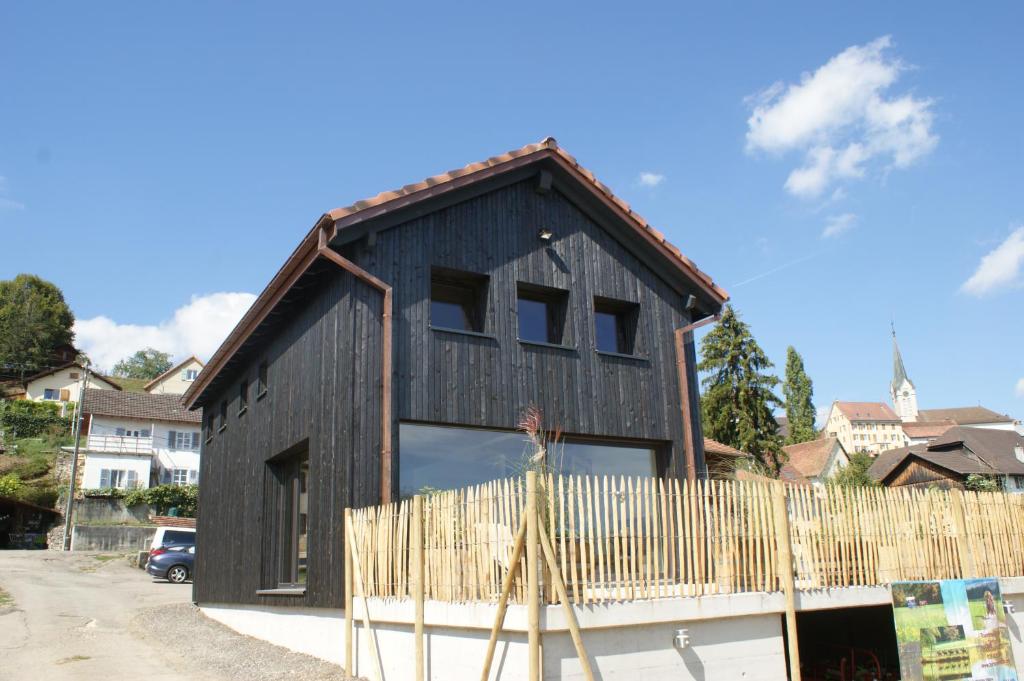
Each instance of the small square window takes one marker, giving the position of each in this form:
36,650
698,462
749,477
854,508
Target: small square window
243,396
262,387
223,423
542,311
190,374
458,300
615,326
208,425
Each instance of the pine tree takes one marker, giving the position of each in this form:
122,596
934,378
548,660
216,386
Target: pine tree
738,398
798,391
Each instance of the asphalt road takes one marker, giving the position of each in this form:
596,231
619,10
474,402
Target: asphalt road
92,616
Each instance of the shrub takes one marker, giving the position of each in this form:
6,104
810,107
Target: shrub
9,485
28,418
162,497
977,482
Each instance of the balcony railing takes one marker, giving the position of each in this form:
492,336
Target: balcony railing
120,444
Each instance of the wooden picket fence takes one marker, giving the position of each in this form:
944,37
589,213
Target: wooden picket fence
620,539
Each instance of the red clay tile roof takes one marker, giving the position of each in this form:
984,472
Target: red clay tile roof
809,458
715,447
964,416
916,429
867,411
173,521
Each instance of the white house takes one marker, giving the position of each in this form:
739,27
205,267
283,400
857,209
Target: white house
138,440
64,384
177,379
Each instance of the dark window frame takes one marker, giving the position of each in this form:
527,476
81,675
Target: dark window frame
556,302
467,290
208,426
243,396
626,317
289,471
262,380
223,414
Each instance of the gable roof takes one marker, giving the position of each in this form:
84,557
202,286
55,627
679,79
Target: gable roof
887,461
964,416
92,374
176,367
867,411
349,218
810,458
962,450
138,406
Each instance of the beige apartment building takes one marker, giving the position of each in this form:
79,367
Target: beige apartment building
870,427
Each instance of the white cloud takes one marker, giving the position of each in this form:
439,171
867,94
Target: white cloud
196,328
649,179
837,224
840,120
7,203
1020,388
1000,267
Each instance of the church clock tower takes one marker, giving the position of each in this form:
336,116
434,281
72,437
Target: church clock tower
902,391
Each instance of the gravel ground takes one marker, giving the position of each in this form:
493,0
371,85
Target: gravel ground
226,653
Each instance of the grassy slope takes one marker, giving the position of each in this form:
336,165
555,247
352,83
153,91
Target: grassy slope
32,460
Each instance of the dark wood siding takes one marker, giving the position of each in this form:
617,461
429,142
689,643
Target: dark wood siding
918,473
324,374
324,387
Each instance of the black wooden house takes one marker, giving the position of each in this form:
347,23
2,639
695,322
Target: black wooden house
399,345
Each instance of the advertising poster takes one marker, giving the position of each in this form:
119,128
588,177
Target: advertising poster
952,630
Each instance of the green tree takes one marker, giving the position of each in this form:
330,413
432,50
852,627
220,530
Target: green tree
798,392
738,398
34,322
856,473
147,363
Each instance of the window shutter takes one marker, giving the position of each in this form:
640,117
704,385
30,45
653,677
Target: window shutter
105,478
133,479
165,476
193,476
172,442
195,440
65,395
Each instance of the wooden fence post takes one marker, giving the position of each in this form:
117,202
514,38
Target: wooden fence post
967,568
349,670
532,599
782,534
417,576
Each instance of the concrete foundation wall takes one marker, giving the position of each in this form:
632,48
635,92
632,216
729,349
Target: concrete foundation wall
736,636
90,511
118,538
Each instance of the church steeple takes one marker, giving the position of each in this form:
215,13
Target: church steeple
902,390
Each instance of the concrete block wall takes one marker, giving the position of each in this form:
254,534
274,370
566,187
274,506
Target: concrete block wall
117,538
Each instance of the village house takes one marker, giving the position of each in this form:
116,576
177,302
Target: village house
132,440
817,460
177,379
871,427
947,460
61,384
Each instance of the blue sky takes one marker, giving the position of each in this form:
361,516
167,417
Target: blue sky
154,155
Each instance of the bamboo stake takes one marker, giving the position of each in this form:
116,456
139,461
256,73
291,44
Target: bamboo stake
348,596
372,642
786,576
506,588
533,604
417,579
570,615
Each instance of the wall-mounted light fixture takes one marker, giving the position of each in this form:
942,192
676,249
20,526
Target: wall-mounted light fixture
545,234
681,639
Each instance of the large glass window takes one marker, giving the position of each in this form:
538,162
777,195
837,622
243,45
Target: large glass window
292,532
446,457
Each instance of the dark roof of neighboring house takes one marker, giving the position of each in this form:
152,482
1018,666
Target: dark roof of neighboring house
783,429
715,447
867,411
964,416
340,219
789,473
92,374
810,458
138,406
930,429
176,367
11,502
962,450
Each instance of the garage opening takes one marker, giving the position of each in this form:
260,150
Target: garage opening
848,644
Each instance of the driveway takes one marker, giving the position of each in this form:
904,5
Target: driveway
92,616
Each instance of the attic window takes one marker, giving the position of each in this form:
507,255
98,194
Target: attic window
541,311
615,326
458,300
